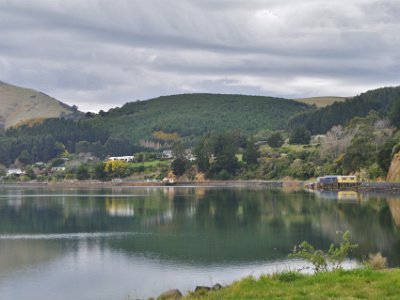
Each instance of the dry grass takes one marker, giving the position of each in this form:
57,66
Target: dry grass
19,105
394,170
321,101
377,261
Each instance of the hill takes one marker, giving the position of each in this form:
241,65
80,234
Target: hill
193,115
322,119
153,123
321,101
21,105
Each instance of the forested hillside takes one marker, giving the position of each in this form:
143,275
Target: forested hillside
163,120
320,120
217,137
196,114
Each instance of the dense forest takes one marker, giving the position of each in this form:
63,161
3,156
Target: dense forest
193,115
320,120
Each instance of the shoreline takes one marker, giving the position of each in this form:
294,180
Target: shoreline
366,187
127,184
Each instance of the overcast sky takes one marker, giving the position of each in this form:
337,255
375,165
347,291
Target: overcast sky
99,54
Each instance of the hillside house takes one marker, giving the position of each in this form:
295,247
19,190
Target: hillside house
167,154
121,158
190,156
15,172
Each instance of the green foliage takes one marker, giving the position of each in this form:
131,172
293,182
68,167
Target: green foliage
385,155
359,283
197,114
374,171
224,150
99,171
320,120
251,153
47,140
275,140
287,276
394,112
361,152
203,152
300,169
82,172
324,261
3,170
179,166
57,162
274,168
299,135
118,146
30,174
224,175
216,155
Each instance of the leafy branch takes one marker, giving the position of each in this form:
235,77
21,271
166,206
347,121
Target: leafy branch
324,261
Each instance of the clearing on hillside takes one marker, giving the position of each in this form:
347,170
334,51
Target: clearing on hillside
322,101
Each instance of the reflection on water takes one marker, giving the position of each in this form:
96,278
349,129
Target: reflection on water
138,242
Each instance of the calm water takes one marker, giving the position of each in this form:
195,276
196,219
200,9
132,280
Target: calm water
139,242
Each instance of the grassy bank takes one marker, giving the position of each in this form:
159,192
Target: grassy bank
354,284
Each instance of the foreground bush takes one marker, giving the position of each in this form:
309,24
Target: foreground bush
323,261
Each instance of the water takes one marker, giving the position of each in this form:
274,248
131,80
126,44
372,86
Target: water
138,242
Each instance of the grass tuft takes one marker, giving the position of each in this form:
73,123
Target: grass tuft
287,276
377,261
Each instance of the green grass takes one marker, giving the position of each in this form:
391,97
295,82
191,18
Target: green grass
287,148
355,284
151,164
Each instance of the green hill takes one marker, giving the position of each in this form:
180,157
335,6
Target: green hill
148,123
320,120
192,115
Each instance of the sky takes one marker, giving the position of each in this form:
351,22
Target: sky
99,54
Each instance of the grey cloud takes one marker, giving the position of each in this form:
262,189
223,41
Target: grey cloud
99,54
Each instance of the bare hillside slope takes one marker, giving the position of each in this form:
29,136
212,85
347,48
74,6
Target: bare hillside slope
322,101
21,105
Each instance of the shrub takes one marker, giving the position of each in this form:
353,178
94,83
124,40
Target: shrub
275,140
324,261
377,261
224,175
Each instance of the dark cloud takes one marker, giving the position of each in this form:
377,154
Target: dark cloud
99,53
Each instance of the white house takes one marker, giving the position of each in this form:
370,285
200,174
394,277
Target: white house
167,154
121,158
58,169
16,171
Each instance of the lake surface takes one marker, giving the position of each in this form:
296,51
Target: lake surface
128,243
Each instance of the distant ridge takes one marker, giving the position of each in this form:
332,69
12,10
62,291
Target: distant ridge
26,106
